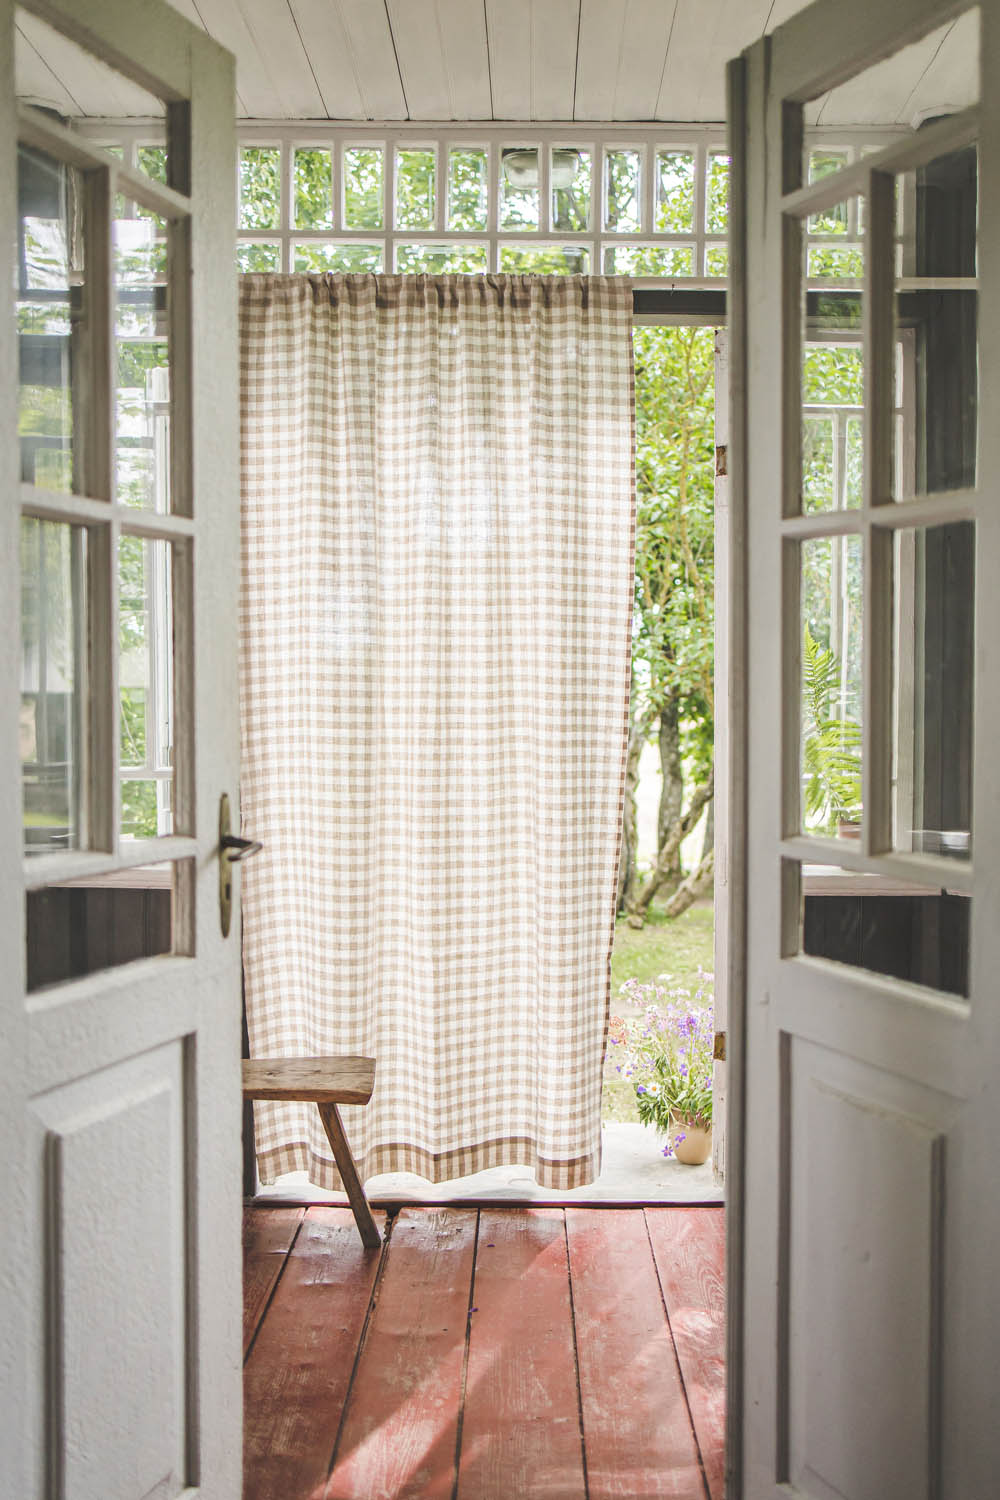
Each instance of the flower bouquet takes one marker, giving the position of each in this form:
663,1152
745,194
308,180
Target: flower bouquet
667,1055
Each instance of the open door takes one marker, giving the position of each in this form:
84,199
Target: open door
120,1098
865,366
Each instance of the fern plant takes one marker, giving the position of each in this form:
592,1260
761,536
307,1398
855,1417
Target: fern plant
831,746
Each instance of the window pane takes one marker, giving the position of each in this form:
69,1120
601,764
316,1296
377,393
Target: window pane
437,260
415,188
312,169
347,256
544,260
51,313
363,187
716,260
142,407
835,262
674,191
467,188
260,187
717,193
153,161
251,256
82,926
53,728
831,601
943,327
622,191
570,181
649,260
934,611
146,708
519,187
919,933
831,220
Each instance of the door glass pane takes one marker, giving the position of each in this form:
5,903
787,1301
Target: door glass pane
937,217
888,926
832,453
142,407
570,179
831,599
415,188
467,188
81,926
934,610
51,313
53,726
519,187
717,193
146,702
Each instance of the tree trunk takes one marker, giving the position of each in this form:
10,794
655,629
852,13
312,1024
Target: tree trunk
670,849
697,883
627,874
671,791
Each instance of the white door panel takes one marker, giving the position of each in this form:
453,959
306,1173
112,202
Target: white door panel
867,1033
119,550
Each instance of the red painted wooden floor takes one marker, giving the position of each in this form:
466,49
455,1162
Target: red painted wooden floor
484,1354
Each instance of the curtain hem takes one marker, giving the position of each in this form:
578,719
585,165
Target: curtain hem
444,1166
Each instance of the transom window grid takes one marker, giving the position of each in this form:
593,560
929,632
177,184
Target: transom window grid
873,179
115,187
693,255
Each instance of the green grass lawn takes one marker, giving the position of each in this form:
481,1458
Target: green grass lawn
678,948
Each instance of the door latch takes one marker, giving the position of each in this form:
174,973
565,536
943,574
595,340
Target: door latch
231,850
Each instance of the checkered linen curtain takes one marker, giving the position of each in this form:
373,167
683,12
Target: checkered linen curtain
437,587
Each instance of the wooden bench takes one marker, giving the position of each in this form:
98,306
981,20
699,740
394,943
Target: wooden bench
325,1082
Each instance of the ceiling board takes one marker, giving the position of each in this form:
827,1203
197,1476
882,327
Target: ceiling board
466,58
225,21
36,80
276,34
96,88
508,26
330,57
374,55
694,74
555,26
420,54
506,60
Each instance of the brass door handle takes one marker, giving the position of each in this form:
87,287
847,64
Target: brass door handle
239,848
231,851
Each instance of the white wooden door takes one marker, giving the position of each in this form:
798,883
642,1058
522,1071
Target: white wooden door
865,1216
120,999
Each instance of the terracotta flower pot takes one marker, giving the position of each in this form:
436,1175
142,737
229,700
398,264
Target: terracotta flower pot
695,1146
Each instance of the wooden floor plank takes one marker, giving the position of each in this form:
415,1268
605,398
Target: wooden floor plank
267,1235
521,1427
636,1425
399,1435
299,1369
689,1248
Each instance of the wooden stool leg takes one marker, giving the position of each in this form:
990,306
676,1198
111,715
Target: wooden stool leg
333,1125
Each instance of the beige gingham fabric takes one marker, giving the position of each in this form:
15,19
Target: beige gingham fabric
437,588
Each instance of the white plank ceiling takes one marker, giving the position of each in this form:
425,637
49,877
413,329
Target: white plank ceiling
594,60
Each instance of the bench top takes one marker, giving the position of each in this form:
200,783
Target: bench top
320,1080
